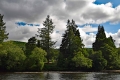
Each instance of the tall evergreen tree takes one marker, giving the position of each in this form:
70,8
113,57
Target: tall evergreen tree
100,38
110,41
71,43
3,34
46,42
108,49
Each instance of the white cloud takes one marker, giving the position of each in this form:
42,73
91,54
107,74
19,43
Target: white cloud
82,11
88,39
89,28
116,37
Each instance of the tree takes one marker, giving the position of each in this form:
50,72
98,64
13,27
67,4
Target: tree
35,60
30,45
82,61
3,34
100,38
118,50
107,47
111,55
71,43
45,39
11,57
99,63
110,42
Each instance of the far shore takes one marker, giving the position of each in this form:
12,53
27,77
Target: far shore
104,71
111,71
55,72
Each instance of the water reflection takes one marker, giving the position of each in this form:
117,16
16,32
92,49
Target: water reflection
59,76
107,76
73,76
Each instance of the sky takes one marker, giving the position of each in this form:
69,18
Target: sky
24,17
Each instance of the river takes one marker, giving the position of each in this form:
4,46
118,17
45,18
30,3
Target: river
60,76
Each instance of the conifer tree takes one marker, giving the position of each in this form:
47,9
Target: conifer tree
3,34
108,49
71,43
110,41
44,34
100,38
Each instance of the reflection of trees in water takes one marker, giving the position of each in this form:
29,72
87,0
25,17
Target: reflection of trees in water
59,76
47,76
21,76
73,76
107,76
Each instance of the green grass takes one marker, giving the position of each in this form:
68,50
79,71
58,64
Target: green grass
20,44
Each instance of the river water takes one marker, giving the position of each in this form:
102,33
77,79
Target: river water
60,76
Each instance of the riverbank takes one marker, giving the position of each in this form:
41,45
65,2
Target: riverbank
104,71
111,71
54,72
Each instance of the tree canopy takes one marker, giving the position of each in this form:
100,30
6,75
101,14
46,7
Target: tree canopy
72,49
39,53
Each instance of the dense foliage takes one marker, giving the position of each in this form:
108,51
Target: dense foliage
11,57
41,54
72,52
35,61
109,56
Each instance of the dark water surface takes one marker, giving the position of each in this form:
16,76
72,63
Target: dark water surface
60,76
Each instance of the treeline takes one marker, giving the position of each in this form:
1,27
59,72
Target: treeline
40,54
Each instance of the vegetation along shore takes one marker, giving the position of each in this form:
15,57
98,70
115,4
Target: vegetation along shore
39,54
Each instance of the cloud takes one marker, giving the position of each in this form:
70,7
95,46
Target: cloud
89,28
116,37
30,12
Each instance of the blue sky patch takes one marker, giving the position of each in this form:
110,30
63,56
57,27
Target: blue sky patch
113,28
30,24
21,23
37,25
25,24
115,3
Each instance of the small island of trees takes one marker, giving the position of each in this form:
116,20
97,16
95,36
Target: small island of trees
40,54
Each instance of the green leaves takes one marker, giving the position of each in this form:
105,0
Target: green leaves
111,55
35,61
82,61
107,48
72,44
99,63
11,57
